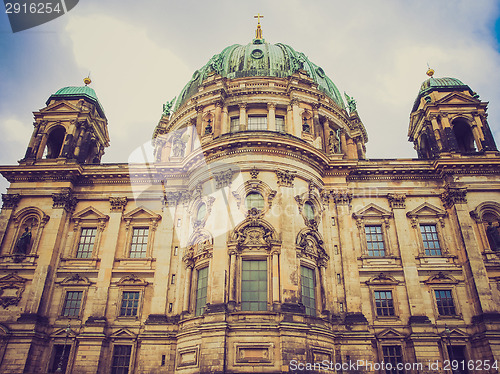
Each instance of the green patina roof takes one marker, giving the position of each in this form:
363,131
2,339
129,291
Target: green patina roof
84,92
439,84
259,59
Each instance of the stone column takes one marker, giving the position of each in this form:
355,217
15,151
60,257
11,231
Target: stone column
10,202
316,125
349,258
343,143
225,120
232,279
275,280
243,116
271,116
297,121
359,147
199,121
289,119
187,288
218,118
436,130
352,152
326,134
408,250
450,140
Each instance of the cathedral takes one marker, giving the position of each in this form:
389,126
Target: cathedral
256,236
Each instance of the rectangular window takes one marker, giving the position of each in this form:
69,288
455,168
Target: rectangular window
121,359
444,301
61,357
130,304
254,285
72,304
308,290
235,124
457,353
280,124
374,241
257,123
392,354
86,243
384,304
139,243
201,291
430,239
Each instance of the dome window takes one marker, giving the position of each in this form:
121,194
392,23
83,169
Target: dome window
309,210
257,54
202,212
257,123
254,200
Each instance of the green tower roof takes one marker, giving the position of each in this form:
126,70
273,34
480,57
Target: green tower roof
439,84
259,59
84,92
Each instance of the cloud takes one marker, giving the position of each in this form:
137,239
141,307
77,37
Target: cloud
132,75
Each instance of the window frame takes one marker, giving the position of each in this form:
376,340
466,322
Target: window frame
143,245
423,241
370,252
314,271
262,121
401,352
373,215
147,219
131,357
139,302
78,241
63,303
201,267
391,308
85,219
240,293
280,129
453,298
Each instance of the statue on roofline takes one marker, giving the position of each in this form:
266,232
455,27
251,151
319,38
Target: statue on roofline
167,107
351,103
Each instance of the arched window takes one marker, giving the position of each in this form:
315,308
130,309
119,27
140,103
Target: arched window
254,200
202,211
55,142
464,136
309,210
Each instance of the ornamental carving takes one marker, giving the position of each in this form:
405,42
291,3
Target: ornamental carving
200,246
10,201
310,245
64,200
285,178
11,289
174,198
118,204
342,197
223,178
132,280
254,173
454,195
397,200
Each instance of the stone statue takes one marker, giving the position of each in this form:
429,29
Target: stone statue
167,107
334,142
351,103
493,237
216,63
23,243
178,146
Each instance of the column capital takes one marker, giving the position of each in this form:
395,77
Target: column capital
242,105
64,200
118,204
10,201
397,200
271,106
342,197
454,195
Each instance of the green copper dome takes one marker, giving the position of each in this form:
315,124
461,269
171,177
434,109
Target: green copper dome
439,84
84,92
259,59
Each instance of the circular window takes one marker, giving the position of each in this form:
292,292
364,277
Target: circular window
309,210
257,53
320,72
254,200
202,211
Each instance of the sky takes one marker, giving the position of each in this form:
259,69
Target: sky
140,54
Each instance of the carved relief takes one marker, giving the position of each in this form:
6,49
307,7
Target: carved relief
10,201
11,289
310,245
454,195
118,204
64,200
342,197
397,201
285,177
223,178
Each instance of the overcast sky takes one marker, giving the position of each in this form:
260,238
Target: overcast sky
140,54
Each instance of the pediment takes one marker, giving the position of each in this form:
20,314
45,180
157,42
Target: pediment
132,280
76,280
372,211
441,278
62,333
383,279
457,98
426,210
60,106
454,333
90,213
141,213
123,333
390,334
12,278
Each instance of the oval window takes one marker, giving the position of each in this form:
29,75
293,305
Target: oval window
202,211
309,210
254,200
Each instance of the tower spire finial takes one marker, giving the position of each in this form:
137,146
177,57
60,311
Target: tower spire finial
430,72
258,32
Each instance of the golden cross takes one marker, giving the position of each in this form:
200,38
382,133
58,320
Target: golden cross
258,16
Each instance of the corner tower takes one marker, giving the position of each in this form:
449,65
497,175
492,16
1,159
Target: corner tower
72,126
449,119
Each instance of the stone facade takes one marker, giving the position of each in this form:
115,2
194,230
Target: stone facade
259,239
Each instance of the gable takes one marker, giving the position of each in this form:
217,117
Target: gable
372,211
90,213
426,210
457,98
390,334
141,213
60,106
